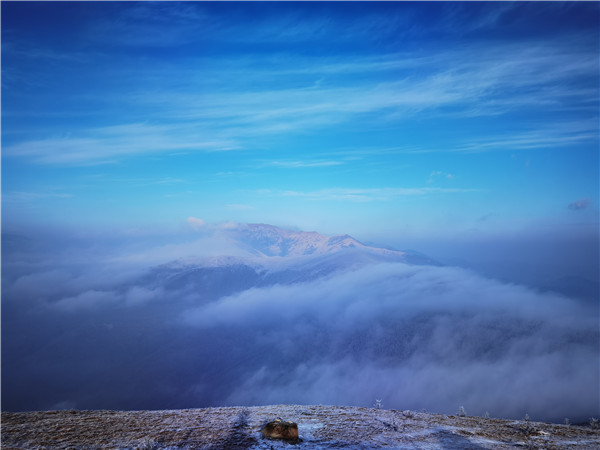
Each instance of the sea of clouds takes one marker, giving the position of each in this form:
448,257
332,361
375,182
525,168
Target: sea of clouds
92,322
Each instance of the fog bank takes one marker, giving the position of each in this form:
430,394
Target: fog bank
97,326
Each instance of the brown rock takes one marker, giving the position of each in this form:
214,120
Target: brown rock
281,429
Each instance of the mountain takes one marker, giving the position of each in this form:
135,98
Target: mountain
261,242
269,240
273,241
270,256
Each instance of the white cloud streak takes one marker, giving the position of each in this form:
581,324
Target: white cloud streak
559,136
301,164
477,81
370,194
109,144
28,197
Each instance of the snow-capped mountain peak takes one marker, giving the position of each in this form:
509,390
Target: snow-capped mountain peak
273,241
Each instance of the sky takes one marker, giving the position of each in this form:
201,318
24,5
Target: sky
380,120
134,134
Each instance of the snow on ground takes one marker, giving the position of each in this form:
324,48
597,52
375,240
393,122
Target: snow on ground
320,427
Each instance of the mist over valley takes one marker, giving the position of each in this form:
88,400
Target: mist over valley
258,315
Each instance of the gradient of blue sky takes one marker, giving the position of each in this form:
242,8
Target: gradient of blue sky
361,118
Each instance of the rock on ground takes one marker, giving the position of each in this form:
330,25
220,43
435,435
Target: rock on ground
320,427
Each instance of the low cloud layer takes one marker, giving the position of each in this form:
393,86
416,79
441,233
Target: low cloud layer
110,333
579,204
417,337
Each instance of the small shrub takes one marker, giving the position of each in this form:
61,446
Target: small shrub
147,444
529,428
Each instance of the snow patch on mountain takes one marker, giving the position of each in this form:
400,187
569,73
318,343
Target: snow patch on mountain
269,240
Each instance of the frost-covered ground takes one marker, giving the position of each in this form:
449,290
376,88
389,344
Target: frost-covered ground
319,427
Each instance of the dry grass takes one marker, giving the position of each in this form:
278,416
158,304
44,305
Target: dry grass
319,427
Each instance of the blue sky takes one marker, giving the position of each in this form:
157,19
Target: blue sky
380,120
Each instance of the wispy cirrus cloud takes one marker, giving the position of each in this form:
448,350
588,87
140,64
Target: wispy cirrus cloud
109,144
234,103
480,82
149,24
301,164
369,194
559,135
239,207
156,25
31,196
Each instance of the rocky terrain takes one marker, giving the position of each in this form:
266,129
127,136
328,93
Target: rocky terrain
320,427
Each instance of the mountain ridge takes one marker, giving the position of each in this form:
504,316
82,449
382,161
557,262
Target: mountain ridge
256,243
277,255
270,240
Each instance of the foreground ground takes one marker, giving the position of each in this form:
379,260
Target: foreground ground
319,427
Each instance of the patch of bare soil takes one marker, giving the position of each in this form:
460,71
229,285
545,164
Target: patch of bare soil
320,427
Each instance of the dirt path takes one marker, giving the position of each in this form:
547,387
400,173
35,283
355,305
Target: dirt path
320,427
